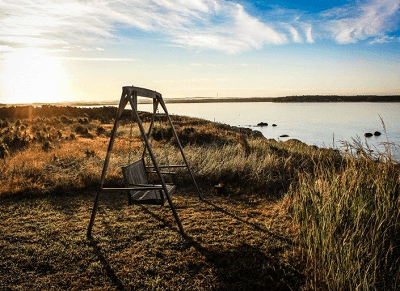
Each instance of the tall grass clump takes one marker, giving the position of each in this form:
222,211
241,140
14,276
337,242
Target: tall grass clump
247,165
349,219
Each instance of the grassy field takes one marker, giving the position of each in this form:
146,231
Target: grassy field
292,216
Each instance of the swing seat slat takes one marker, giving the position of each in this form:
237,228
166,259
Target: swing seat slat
135,175
152,197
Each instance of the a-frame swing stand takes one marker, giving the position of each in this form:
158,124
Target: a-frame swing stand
135,174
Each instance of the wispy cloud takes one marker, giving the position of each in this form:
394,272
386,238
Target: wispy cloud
5,48
200,24
204,24
352,23
295,34
223,26
385,39
101,59
308,33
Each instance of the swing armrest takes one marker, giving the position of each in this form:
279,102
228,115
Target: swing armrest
166,166
146,186
164,173
134,188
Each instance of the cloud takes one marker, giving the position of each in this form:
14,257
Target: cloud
385,39
223,26
101,59
5,48
295,34
308,33
349,24
218,25
25,23
203,24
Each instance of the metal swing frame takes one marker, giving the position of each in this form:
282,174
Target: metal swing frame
130,95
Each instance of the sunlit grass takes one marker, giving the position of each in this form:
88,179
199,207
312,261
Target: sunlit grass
350,223
341,208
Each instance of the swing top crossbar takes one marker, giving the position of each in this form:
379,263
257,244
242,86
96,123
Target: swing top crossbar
142,92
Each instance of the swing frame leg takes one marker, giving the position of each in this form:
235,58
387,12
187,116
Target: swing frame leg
161,101
121,107
132,100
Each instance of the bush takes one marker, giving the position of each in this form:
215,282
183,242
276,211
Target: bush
3,151
160,133
84,120
81,130
4,123
66,120
100,130
47,146
193,136
16,141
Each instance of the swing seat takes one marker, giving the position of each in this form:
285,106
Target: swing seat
141,191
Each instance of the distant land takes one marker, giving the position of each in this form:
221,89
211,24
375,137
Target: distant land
305,98
291,99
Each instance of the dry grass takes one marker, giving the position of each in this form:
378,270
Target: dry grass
292,216
47,196
232,245
349,220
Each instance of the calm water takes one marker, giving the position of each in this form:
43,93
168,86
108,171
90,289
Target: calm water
321,124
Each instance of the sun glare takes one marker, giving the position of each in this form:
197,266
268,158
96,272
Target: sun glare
30,75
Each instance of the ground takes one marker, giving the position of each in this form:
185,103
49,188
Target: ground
231,244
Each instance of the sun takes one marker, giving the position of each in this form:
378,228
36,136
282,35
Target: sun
31,75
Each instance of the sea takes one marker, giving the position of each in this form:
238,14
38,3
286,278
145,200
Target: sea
329,125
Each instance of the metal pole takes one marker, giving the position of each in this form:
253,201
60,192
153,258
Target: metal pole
121,107
155,107
180,147
153,159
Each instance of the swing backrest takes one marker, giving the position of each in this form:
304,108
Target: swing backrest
135,173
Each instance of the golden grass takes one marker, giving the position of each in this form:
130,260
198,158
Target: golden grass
292,216
350,225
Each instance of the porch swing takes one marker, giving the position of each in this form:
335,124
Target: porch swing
136,174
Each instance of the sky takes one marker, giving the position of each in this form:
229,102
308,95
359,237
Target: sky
82,50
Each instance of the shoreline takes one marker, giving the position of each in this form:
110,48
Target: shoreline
286,99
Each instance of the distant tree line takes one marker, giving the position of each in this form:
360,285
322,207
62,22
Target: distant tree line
304,98
336,98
